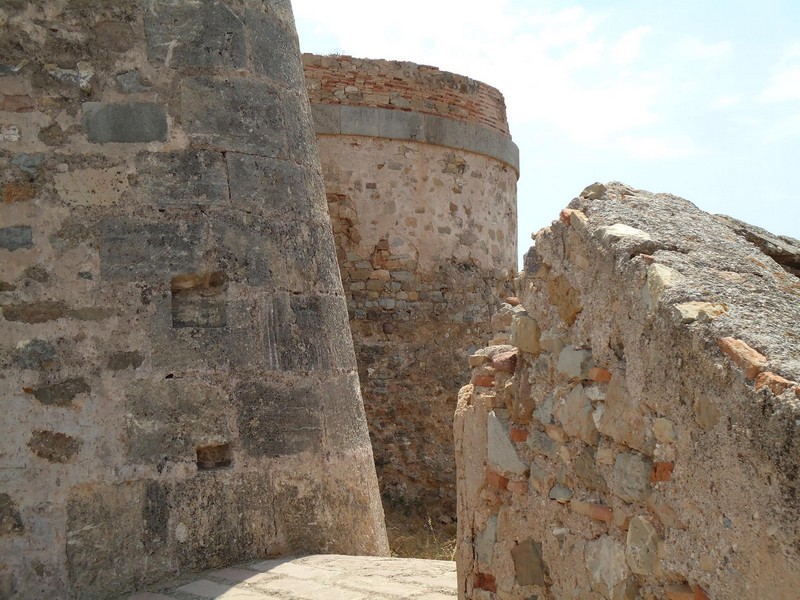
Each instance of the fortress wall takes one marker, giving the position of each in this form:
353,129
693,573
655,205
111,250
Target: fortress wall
423,210
639,439
179,384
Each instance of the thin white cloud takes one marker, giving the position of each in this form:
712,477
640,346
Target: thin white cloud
726,102
784,83
628,48
665,147
695,49
786,128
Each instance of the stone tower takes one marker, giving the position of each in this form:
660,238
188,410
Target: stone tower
420,173
179,384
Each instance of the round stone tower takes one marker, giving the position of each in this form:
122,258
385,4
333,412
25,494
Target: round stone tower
178,380
420,174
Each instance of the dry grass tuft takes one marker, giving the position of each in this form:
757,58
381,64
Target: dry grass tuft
418,537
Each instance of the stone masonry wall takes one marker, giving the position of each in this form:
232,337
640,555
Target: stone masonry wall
404,86
425,232
639,440
179,384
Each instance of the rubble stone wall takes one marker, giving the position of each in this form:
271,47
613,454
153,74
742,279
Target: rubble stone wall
423,210
179,384
639,439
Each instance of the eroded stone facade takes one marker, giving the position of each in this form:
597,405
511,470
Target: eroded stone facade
420,176
638,440
179,383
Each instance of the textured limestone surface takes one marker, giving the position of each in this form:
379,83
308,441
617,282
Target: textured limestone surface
654,403
318,577
425,234
179,384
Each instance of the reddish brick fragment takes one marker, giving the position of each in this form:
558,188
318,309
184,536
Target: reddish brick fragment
505,362
18,192
518,487
700,593
680,591
599,374
518,434
484,581
496,480
17,104
512,300
662,471
598,512
743,356
775,383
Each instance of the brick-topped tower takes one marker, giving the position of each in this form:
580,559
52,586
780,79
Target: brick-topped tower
420,173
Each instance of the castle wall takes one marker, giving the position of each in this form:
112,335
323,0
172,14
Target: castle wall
639,439
179,385
423,208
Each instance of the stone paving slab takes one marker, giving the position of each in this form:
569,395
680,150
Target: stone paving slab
318,577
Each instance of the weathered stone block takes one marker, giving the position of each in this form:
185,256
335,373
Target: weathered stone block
587,472
194,34
127,123
575,414
631,479
343,413
221,517
642,546
122,360
306,333
529,565
34,354
575,362
16,237
275,49
274,186
62,394
279,420
501,453
484,541
250,250
122,520
54,446
234,114
35,312
167,420
199,300
525,334
186,177
605,561
132,249
10,519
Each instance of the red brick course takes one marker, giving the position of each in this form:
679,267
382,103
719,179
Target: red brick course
403,86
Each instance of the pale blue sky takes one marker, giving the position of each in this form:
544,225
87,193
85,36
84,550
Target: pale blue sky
700,99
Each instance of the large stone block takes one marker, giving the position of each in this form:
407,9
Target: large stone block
16,237
234,114
167,420
275,49
119,518
223,517
295,256
194,34
132,249
185,177
128,123
279,419
307,333
274,186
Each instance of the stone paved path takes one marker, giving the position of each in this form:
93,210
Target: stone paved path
320,577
